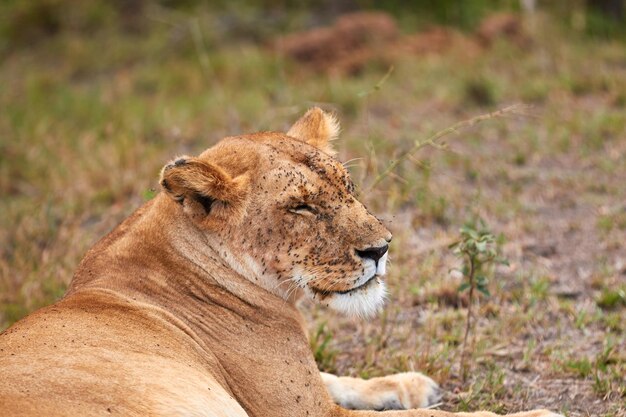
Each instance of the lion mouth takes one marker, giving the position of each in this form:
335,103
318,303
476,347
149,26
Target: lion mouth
326,293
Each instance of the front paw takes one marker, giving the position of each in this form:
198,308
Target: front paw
416,390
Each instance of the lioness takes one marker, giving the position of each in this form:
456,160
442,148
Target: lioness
187,308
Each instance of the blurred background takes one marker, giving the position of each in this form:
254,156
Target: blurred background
95,96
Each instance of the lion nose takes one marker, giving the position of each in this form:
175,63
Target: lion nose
373,253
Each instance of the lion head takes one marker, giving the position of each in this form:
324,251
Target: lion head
281,210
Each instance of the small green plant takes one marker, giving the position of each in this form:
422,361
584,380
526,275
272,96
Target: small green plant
485,392
479,250
148,194
611,299
581,367
608,373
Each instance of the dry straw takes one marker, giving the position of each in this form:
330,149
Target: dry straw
433,140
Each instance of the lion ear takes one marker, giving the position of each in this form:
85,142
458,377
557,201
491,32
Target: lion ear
316,128
206,192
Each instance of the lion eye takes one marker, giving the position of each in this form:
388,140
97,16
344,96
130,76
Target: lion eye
302,209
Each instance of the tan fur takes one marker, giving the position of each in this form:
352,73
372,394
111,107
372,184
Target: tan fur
188,178
316,128
187,307
400,391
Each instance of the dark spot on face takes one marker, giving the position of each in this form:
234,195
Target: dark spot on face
180,161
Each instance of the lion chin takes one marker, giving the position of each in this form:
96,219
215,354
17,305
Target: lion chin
363,299
363,302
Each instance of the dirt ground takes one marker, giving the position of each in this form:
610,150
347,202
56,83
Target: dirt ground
356,40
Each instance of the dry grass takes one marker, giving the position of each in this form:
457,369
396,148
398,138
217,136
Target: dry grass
87,122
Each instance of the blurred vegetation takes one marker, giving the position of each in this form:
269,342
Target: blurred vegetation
24,22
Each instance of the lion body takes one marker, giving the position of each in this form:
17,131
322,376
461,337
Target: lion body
187,308
119,360
120,343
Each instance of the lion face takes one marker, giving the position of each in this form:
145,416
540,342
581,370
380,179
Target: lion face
285,215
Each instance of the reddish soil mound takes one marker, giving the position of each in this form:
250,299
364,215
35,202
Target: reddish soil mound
357,39
344,47
437,40
502,25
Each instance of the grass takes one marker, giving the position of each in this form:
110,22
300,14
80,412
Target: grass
88,121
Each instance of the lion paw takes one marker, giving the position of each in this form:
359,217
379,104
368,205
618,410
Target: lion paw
416,390
393,392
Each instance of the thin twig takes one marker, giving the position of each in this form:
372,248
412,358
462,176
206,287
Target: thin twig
379,84
468,323
432,140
